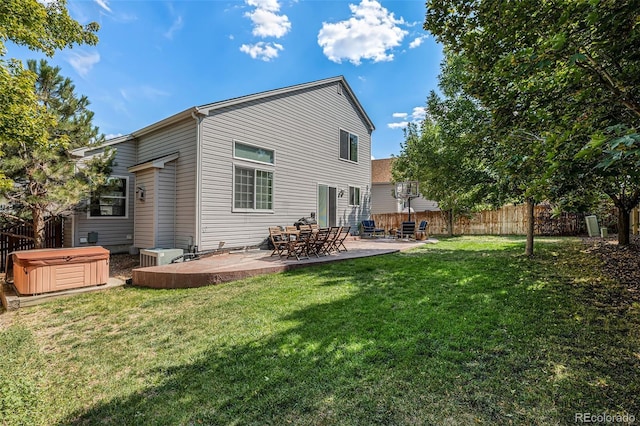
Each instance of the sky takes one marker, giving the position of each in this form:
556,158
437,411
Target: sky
156,58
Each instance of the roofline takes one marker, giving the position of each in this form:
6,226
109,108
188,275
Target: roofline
80,152
193,112
207,108
156,163
187,113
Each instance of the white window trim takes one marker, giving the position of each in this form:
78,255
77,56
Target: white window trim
126,201
235,141
350,133
235,209
359,195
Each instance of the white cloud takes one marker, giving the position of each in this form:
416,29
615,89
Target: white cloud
176,26
418,113
417,42
370,33
103,4
271,5
143,92
149,92
83,61
266,21
262,50
112,136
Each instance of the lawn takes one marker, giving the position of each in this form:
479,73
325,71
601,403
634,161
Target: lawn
460,332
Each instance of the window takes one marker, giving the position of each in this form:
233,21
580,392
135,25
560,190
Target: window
253,153
253,189
354,196
111,201
348,146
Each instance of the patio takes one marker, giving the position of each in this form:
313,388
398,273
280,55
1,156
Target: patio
242,264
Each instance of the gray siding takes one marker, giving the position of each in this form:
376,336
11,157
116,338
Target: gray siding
420,205
145,229
166,210
115,233
303,129
382,200
181,138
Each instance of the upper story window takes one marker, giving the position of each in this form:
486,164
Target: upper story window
348,146
253,153
112,200
354,196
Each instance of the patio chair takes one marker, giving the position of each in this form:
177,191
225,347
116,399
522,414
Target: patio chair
369,229
408,230
421,233
319,242
332,239
299,247
344,233
278,240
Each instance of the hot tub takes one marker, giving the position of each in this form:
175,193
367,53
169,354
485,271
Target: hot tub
48,270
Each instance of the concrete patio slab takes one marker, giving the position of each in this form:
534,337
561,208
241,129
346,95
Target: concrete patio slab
12,301
238,265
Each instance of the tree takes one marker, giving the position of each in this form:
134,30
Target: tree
47,179
448,153
41,119
546,68
43,26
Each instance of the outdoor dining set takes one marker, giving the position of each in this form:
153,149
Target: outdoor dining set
304,241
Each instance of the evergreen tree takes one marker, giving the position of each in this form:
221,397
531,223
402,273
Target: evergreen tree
42,120
47,180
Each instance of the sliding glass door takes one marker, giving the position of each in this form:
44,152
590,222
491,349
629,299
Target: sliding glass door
327,206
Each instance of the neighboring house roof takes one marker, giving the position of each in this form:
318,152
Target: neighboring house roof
381,170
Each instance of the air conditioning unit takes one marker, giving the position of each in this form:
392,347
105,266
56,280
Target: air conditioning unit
158,256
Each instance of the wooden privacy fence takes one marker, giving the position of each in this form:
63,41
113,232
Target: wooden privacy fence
508,220
11,241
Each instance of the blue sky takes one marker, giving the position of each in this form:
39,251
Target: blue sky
156,58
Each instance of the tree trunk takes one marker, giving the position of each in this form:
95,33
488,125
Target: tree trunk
623,226
450,222
38,228
530,227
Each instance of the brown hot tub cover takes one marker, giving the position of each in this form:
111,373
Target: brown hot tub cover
47,270
59,256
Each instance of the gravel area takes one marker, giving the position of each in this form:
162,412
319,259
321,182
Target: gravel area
621,263
120,265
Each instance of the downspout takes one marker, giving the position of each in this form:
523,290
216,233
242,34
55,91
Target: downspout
197,237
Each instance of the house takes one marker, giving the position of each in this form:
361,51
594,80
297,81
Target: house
222,173
382,191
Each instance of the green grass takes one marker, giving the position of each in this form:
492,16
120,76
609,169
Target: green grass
464,331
